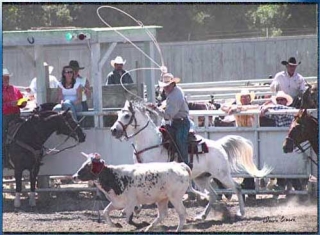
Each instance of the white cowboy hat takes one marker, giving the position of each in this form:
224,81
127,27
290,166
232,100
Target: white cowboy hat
242,93
117,60
281,94
167,79
49,67
5,72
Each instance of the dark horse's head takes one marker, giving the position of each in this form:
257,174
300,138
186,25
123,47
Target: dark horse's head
304,127
62,123
310,97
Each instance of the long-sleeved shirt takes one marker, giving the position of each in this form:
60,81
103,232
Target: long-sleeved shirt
281,120
114,77
290,85
10,94
177,105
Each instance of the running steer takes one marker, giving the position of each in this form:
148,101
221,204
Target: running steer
127,186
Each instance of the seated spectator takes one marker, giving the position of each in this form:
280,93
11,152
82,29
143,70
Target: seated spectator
280,101
69,93
115,75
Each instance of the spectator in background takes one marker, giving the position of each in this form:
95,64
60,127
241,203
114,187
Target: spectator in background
12,101
279,102
289,81
86,92
53,82
114,76
69,93
243,103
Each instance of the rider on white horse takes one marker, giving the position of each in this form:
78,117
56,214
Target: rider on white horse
175,115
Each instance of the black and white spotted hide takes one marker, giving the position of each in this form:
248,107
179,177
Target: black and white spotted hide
127,186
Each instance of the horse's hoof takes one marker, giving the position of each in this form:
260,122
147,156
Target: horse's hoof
239,214
200,217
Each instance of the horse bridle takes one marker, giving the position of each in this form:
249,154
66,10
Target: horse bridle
132,118
69,147
303,148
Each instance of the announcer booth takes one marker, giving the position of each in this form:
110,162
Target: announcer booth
24,52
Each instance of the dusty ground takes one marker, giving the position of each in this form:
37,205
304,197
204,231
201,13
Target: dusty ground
74,213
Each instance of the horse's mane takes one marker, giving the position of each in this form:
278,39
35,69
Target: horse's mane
300,115
141,106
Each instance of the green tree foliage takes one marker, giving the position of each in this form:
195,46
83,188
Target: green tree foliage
180,21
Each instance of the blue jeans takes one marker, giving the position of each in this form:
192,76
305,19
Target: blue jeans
181,128
69,104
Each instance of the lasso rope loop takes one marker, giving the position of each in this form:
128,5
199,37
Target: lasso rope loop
162,68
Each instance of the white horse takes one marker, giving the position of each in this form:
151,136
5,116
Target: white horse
230,152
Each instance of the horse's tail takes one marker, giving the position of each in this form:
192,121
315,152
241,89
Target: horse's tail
240,155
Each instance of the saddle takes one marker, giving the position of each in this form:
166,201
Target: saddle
196,145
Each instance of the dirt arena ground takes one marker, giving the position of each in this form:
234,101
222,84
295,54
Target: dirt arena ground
75,212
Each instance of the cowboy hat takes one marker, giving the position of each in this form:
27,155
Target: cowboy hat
281,94
242,93
75,65
49,67
291,61
167,79
5,72
117,60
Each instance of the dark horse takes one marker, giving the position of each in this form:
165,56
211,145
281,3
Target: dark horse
303,128
24,148
309,98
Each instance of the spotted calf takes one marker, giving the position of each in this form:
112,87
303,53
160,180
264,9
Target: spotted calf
127,186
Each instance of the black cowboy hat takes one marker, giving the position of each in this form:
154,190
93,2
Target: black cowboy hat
291,61
75,65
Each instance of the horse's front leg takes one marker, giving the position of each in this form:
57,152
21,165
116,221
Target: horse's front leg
18,178
33,178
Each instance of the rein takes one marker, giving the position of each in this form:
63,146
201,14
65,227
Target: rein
68,137
306,146
143,150
133,117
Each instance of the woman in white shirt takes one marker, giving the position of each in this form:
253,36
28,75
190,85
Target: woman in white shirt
69,93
